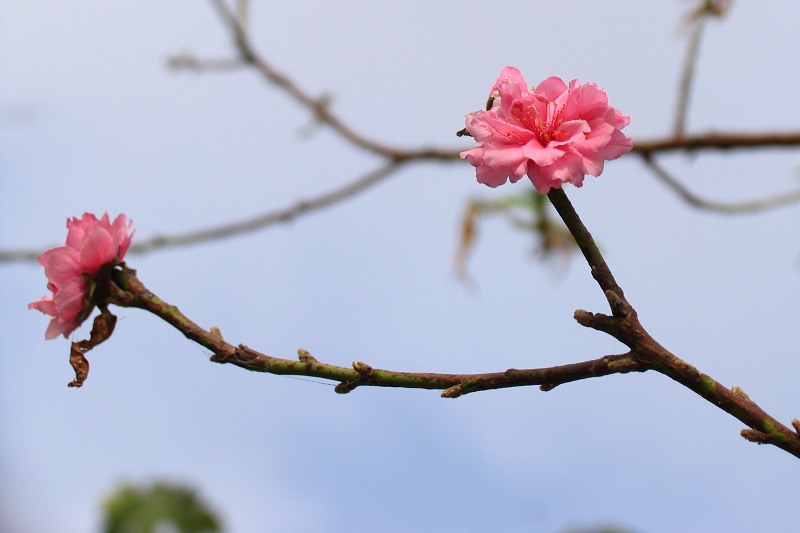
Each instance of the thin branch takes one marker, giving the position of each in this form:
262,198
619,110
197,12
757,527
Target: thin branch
714,141
128,291
287,214
319,107
189,62
23,255
125,289
395,155
600,271
698,18
624,326
690,198
283,215
687,76
718,141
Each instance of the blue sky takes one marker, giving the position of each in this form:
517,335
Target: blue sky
91,119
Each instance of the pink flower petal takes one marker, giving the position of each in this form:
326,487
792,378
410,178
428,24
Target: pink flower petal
556,134
121,228
541,155
45,304
509,76
77,228
60,265
91,244
551,88
97,249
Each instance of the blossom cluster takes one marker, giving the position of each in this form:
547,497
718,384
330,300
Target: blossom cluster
92,244
555,133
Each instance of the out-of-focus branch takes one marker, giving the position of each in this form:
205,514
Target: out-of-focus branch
529,212
718,141
235,20
720,207
684,89
286,214
319,107
189,62
647,148
697,18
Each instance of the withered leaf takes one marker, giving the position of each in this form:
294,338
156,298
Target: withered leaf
102,328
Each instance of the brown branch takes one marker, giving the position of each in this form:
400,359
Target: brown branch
283,215
248,56
190,62
319,107
718,141
128,291
624,326
689,62
692,199
697,17
597,264
712,141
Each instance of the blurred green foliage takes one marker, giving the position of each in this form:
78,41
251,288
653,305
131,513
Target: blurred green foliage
158,508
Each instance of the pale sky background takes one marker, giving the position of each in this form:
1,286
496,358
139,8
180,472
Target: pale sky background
91,119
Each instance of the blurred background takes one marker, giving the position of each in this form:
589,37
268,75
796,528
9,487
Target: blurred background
92,118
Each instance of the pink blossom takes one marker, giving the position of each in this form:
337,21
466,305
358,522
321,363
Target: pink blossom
555,133
70,269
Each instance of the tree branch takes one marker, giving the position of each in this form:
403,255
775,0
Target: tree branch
319,107
125,289
235,21
711,141
624,325
689,61
128,291
692,199
718,141
279,216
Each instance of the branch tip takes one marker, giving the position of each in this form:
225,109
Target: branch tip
740,393
453,392
796,425
755,436
363,369
345,386
583,317
305,357
619,307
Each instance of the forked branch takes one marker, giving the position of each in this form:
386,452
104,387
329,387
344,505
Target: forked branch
125,289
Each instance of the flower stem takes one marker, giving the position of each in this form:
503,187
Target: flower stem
600,271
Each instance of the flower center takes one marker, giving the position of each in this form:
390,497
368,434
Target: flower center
545,125
549,129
